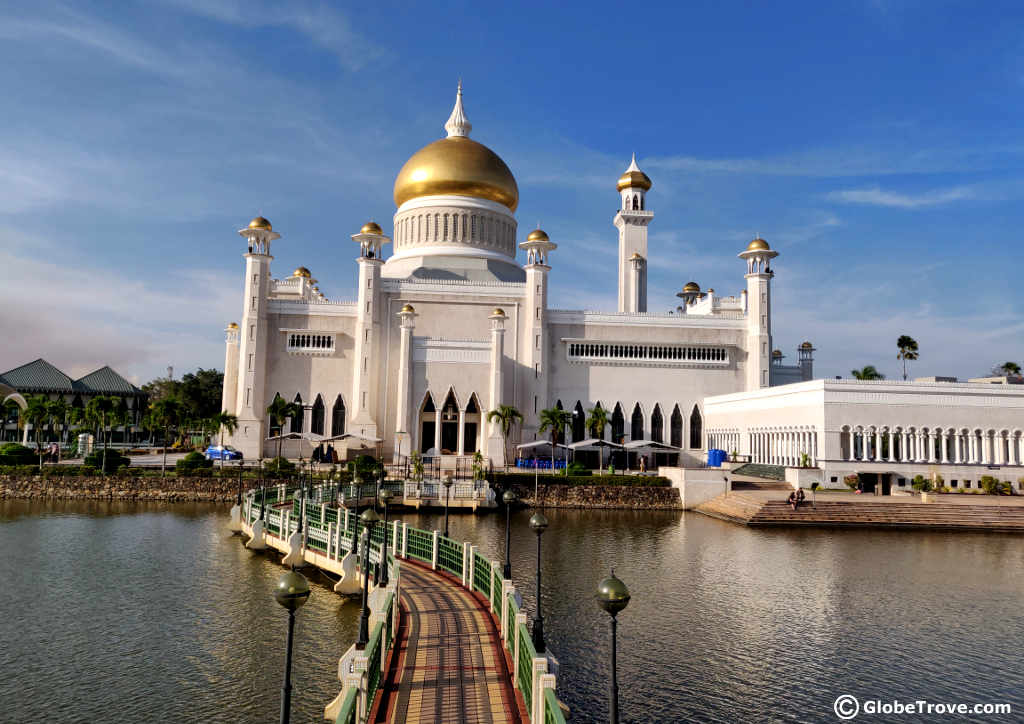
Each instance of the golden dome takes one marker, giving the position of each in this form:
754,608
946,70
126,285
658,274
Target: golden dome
261,223
371,227
758,244
691,287
806,345
537,235
459,166
498,312
776,353
633,178
301,272
408,309
233,325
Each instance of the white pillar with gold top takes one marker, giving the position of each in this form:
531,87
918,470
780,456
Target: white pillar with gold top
407,323
495,441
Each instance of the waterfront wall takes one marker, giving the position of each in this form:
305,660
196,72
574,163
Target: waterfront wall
599,497
149,488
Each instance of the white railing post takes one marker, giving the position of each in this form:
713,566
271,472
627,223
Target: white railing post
547,681
323,513
520,620
468,549
433,553
285,527
405,539
495,566
346,519
540,668
506,591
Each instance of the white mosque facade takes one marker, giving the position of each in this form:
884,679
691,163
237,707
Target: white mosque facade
451,325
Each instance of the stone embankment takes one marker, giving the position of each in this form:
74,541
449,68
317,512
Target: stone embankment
148,488
608,497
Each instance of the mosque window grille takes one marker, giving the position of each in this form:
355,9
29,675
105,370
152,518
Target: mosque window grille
310,343
583,351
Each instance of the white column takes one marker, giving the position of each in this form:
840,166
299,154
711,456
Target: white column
958,442
972,447
997,444
495,443
437,427
462,432
853,448
932,436
877,439
402,422
986,457
943,438
890,441
922,453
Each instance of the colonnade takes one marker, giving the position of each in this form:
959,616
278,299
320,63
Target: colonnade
932,445
724,439
783,446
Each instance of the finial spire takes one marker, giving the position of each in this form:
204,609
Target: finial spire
632,164
458,124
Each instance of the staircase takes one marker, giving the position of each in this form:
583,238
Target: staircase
756,470
735,508
752,485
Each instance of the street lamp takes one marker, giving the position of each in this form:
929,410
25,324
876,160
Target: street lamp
357,482
385,498
447,482
509,498
369,518
292,591
539,523
613,596
238,498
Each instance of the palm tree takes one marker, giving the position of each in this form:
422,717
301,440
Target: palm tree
101,407
165,413
867,373
36,414
225,421
1009,369
507,416
908,351
279,411
597,421
555,420
57,411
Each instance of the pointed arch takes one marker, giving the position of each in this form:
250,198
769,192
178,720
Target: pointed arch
676,428
428,403
657,425
636,423
316,420
636,203
696,429
296,423
338,417
579,422
473,406
618,424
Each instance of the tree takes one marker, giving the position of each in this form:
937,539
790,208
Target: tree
867,373
100,408
1006,369
201,393
36,415
555,420
225,421
992,486
279,411
165,413
907,351
507,416
57,410
597,421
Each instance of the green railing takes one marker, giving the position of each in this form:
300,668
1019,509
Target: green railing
526,656
347,713
449,556
421,545
496,591
374,653
481,574
552,711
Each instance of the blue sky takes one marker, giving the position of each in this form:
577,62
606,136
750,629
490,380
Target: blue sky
875,144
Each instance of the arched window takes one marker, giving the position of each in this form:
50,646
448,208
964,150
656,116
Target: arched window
297,419
276,427
636,428
636,204
338,417
579,423
657,433
618,424
676,428
696,431
316,422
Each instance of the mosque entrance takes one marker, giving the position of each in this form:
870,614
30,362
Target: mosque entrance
449,426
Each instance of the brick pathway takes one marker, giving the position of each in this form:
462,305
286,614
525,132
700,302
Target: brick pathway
449,665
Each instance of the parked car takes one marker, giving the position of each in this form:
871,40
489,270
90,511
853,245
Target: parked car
216,452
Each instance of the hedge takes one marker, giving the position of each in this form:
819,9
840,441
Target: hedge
12,453
503,480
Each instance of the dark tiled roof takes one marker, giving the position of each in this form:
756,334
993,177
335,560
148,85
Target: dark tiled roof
38,375
105,381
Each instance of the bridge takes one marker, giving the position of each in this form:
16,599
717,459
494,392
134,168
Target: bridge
448,633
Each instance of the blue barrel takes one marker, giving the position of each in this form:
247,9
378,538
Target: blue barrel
715,457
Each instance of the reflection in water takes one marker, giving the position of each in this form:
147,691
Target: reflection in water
137,612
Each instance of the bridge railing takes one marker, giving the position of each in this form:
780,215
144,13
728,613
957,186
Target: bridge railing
333,533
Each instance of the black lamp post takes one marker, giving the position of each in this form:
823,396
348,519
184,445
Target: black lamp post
539,523
385,498
509,498
238,498
447,488
369,517
292,591
263,500
613,596
357,482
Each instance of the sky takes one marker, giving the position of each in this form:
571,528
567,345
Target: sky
876,144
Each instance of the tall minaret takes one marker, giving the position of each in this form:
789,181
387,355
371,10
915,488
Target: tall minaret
371,241
495,397
631,221
229,394
534,339
759,312
250,397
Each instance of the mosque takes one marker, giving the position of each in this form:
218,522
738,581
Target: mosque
455,321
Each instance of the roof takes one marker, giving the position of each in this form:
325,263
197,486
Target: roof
106,381
38,375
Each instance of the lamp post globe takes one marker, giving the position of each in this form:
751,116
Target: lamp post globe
385,498
539,524
447,482
292,592
509,498
613,596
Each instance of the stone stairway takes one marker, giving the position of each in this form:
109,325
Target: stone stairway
756,470
761,485
732,507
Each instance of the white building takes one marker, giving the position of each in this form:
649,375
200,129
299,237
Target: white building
451,325
885,431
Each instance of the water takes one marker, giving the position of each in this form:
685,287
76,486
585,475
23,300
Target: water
153,612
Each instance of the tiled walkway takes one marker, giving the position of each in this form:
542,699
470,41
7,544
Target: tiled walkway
449,666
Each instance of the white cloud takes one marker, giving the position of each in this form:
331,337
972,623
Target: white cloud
877,197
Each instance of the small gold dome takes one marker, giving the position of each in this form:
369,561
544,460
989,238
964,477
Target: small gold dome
408,309
302,272
458,166
371,227
806,345
636,255
691,287
498,312
537,235
233,325
758,244
260,223
776,353
634,180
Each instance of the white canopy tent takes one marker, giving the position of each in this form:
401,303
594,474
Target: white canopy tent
593,443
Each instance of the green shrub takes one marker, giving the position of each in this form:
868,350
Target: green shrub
922,484
192,463
279,467
577,469
12,453
993,486
115,460
852,481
